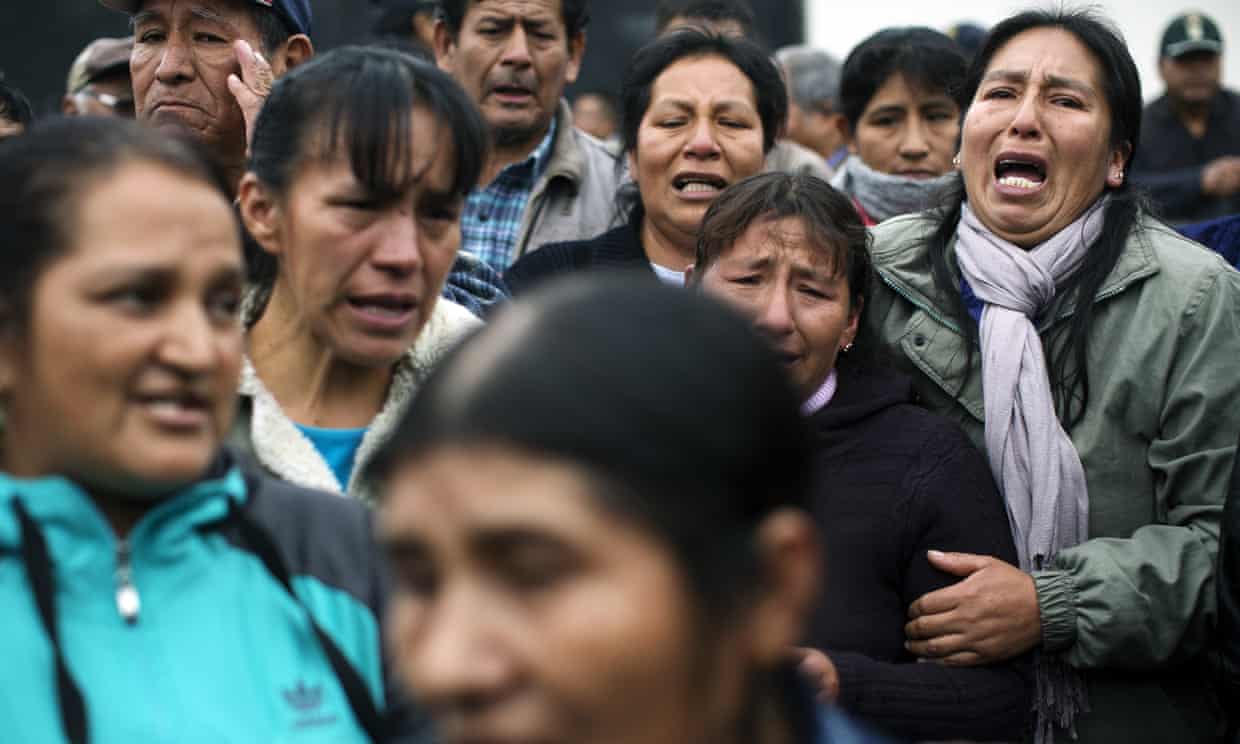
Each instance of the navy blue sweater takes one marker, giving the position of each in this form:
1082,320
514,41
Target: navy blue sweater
895,481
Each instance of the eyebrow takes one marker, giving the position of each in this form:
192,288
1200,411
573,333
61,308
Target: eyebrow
1051,81
726,104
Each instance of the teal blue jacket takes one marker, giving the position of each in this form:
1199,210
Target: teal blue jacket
183,632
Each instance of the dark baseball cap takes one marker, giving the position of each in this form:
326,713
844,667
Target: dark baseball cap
100,58
295,13
1191,32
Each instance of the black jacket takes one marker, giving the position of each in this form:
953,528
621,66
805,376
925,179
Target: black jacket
1169,162
893,481
619,249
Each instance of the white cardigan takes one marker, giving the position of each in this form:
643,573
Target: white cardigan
280,447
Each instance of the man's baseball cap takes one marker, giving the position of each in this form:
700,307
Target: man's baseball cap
1191,32
100,58
295,13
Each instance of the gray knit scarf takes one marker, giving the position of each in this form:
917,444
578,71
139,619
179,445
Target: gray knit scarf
1034,461
883,195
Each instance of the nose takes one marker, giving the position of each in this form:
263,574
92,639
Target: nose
702,142
176,64
398,251
517,50
1025,121
774,313
452,657
914,143
191,342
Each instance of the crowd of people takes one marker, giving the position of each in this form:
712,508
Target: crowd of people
381,394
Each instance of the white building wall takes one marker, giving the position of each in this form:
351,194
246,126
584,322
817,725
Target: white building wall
837,25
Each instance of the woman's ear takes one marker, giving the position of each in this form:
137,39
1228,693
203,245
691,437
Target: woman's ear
631,158
9,353
261,211
1115,165
792,559
854,322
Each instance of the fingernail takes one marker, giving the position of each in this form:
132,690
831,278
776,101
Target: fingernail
935,553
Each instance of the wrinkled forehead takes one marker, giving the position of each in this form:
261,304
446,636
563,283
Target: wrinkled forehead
777,241
543,11
219,11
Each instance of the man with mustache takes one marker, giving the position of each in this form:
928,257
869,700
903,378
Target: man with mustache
545,181
205,66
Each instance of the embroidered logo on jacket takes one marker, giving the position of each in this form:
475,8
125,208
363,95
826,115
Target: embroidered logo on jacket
307,702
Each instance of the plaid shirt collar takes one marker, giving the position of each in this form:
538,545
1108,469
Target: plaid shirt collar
491,222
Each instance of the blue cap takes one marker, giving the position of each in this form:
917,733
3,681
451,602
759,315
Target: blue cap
295,13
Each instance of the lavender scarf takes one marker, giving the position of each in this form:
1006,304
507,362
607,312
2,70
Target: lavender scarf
1034,461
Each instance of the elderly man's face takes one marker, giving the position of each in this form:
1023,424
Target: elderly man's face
182,57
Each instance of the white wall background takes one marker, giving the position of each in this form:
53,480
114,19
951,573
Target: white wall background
837,25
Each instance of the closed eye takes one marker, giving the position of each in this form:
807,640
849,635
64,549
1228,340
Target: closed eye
999,93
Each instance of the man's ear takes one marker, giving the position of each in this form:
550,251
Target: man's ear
792,561
576,53
261,212
445,46
293,52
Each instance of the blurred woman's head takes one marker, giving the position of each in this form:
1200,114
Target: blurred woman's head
900,91
699,112
360,163
120,281
583,524
1054,120
792,255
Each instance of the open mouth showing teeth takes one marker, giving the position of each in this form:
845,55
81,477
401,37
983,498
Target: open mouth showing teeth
690,184
1019,173
383,308
185,402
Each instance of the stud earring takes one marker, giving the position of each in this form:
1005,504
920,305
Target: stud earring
847,347
956,161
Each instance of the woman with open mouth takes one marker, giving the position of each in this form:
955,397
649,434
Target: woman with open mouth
700,112
900,91
360,163
1091,351
154,586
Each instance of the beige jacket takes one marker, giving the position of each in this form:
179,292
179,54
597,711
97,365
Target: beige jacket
575,198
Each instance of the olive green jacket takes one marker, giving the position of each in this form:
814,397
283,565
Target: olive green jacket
1134,606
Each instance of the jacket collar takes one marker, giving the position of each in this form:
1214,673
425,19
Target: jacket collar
567,161
904,264
79,537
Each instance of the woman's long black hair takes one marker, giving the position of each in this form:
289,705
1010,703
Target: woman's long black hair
1068,344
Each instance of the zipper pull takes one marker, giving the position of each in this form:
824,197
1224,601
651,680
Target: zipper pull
128,603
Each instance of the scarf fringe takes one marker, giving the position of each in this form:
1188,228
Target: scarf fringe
1061,697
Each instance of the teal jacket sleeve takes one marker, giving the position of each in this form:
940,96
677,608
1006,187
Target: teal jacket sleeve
1148,599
